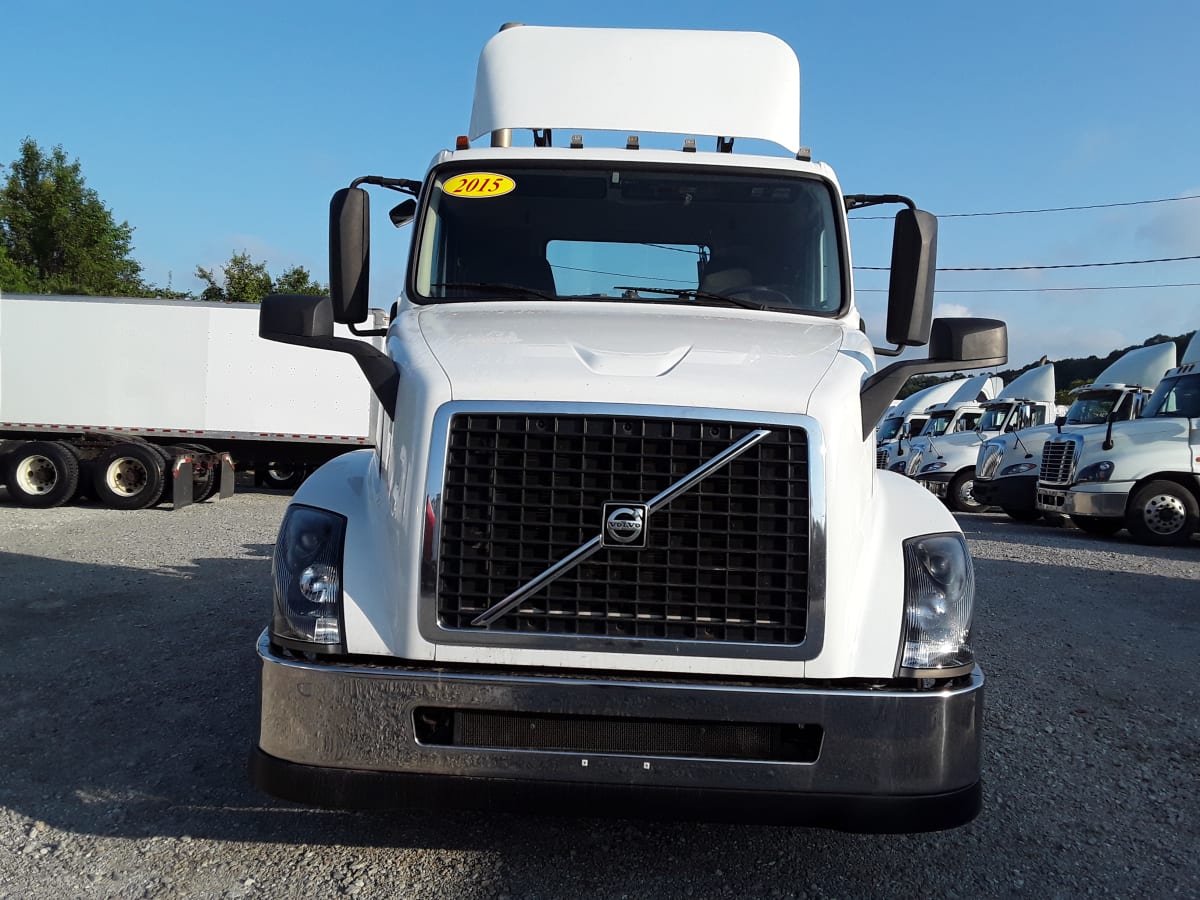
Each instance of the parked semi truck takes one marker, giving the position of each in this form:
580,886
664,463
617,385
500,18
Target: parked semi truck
136,402
1141,474
621,544
907,417
1006,470
946,465
961,412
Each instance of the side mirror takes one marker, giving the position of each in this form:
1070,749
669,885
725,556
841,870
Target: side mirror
349,254
295,318
910,290
403,212
1060,421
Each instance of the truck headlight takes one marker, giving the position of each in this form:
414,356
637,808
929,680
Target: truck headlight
933,467
1018,469
899,466
939,600
1099,471
307,572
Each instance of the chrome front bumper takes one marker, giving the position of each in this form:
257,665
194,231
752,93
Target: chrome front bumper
1101,504
889,760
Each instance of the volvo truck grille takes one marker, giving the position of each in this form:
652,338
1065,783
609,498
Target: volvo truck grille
726,559
1058,462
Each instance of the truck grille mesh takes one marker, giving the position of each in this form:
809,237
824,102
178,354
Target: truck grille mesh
726,561
1058,458
881,458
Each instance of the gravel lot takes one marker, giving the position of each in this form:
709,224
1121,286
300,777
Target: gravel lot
130,683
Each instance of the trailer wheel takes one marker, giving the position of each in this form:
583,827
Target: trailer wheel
1104,527
960,496
42,474
282,476
204,478
1162,512
129,476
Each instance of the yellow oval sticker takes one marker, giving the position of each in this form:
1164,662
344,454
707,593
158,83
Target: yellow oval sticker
479,184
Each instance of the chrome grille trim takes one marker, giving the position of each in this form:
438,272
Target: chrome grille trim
435,631
988,462
1059,456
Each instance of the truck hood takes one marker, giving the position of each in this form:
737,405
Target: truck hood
625,353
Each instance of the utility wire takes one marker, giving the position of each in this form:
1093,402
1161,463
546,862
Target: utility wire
1109,287
1049,209
1127,262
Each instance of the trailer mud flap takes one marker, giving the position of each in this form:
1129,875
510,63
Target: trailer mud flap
181,482
227,475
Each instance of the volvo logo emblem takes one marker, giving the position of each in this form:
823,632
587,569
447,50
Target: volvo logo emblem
624,525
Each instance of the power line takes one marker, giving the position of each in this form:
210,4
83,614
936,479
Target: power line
1048,209
1127,262
1109,287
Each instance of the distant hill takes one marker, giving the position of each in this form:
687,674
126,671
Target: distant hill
1068,373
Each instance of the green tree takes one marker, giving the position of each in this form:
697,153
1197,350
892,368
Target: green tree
57,235
242,280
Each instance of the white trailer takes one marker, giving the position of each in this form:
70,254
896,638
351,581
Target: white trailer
128,399
622,544
1006,470
1142,474
946,465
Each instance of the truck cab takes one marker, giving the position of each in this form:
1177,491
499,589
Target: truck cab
1006,471
621,544
907,419
946,465
1141,474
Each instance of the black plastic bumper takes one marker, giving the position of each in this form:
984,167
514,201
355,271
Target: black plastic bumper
1016,492
357,789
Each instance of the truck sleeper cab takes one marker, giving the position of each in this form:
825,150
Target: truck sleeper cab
621,545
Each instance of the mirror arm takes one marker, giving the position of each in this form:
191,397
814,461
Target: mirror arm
379,368
883,351
880,389
368,332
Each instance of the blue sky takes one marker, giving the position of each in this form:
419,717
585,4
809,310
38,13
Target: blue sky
225,126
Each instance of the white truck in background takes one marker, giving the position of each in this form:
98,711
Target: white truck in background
621,545
946,465
960,412
1006,470
1142,474
907,417
136,402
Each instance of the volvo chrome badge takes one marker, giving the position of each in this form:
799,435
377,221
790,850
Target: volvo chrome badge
624,525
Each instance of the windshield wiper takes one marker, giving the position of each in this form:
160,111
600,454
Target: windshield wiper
694,294
500,286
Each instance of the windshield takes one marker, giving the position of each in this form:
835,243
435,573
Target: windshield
994,417
890,428
623,233
1092,407
1175,397
937,424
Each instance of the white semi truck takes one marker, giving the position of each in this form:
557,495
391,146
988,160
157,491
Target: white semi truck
135,402
961,412
907,417
621,544
946,465
1141,474
1006,470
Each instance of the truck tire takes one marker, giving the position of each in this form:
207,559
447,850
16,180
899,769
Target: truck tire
1162,512
42,474
129,476
1103,527
959,496
282,476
